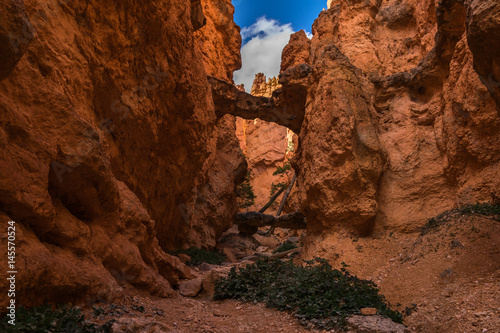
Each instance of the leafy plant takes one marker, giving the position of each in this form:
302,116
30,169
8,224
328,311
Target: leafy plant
245,192
199,256
317,294
281,170
276,187
483,209
285,247
139,308
98,311
486,209
48,319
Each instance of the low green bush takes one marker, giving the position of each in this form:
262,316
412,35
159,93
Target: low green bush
483,209
285,247
316,294
48,319
199,256
275,188
245,193
281,170
486,209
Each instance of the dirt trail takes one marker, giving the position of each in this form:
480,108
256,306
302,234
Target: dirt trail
201,315
445,281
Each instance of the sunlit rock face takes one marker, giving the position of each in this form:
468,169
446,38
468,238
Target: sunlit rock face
401,121
219,40
212,205
111,152
266,146
264,88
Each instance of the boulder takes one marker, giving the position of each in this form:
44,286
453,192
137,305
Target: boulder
191,288
374,324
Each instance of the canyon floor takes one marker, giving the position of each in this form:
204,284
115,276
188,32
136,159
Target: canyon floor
181,314
446,280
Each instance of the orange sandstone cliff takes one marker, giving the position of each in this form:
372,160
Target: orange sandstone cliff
111,153
118,138
402,119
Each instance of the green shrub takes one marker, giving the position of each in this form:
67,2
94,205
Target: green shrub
245,193
483,209
316,294
199,256
285,247
281,170
275,188
486,209
45,319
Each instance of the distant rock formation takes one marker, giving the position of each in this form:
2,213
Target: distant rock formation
264,144
261,88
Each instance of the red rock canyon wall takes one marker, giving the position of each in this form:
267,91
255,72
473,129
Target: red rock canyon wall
107,132
401,122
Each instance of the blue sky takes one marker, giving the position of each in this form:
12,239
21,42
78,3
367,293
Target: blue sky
301,13
266,27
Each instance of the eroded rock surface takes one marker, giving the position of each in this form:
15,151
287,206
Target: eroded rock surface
228,99
109,140
266,145
219,40
375,324
400,121
16,33
483,19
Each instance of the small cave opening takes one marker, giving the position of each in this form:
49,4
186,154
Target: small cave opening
82,190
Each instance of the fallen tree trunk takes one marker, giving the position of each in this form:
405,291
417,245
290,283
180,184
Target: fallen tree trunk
287,193
285,197
272,200
295,220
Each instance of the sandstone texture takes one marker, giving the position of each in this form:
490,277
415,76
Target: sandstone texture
191,288
266,145
297,51
266,150
15,35
278,109
219,40
110,149
261,87
401,114
119,142
483,18
375,324
212,205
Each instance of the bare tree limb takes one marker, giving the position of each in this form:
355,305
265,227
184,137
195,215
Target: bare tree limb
271,201
283,201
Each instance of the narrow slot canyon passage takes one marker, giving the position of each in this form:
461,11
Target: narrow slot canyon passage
250,166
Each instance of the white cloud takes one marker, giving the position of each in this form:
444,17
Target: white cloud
262,53
309,35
